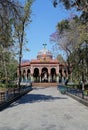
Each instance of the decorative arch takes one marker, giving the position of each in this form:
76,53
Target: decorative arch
24,75
53,75
28,74
44,75
60,77
24,71
36,75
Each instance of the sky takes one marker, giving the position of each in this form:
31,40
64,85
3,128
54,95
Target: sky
44,20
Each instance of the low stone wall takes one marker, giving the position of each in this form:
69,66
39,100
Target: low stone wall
8,102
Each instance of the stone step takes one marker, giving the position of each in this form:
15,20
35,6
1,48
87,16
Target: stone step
44,84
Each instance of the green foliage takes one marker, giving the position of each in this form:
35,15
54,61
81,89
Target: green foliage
20,26
83,32
80,5
73,40
12,86
75,85
2,85
11,67
66,3
14,17
64,24
60,59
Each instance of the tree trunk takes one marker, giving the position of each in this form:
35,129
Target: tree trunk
6,76
20,54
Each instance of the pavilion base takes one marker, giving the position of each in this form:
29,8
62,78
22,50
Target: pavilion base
47,84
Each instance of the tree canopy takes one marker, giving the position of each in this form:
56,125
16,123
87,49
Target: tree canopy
80,5
14,17
72,37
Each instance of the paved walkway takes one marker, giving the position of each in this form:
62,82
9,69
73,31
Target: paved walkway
45,109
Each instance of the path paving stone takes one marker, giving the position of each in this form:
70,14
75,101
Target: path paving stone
45,109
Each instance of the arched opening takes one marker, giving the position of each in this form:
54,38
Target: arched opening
53,75
24,75
60,76
44,75
65,74
36,75
28,75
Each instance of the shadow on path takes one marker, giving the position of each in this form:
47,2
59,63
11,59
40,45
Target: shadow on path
32,98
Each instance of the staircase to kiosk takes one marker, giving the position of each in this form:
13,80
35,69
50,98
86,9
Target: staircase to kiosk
48,84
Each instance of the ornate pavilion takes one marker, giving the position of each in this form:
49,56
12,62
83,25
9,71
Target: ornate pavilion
44,68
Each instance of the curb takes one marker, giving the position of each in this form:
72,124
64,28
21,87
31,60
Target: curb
84,102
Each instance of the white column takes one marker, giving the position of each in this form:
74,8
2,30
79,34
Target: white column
31,77
49,78
57,78
40,78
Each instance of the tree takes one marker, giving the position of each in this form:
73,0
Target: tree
71,37
8,12
80,5
13,18
60,58
20,25
8,65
